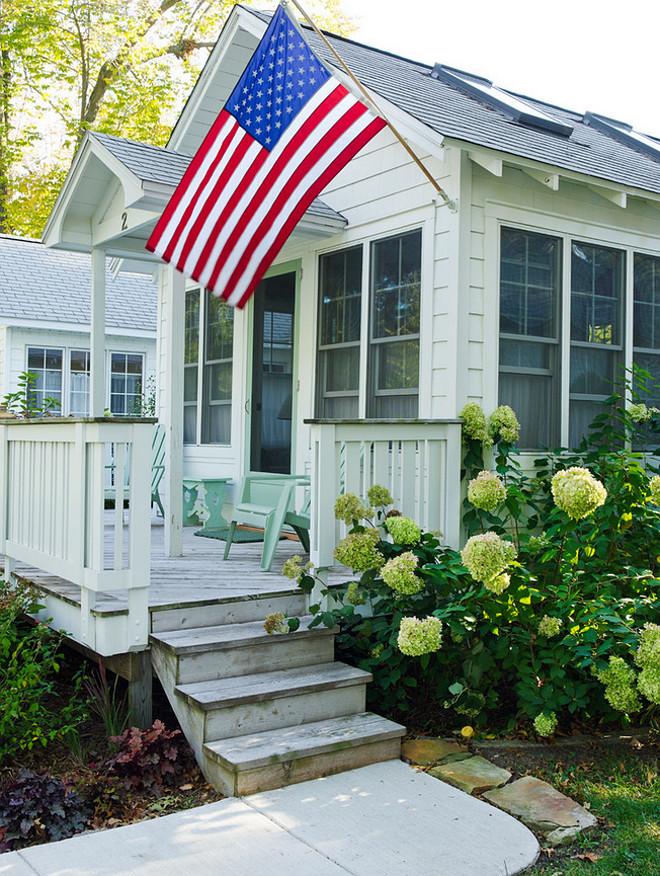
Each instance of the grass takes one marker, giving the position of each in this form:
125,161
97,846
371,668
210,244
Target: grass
623,791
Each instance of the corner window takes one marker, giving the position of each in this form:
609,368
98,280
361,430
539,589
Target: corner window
646,324
125,384
339,334
208,368
530,272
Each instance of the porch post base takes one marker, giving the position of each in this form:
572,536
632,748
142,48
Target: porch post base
140,695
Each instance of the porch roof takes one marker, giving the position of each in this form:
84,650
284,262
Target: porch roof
117,188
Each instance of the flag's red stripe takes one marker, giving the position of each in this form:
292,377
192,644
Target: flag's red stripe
312,192
187,178
223,181
279,166
230,138
310,159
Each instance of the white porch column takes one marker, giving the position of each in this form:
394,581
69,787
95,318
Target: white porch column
97,335
172,308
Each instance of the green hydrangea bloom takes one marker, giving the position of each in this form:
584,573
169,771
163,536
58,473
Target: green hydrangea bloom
486,491
648,657
403,530
292,568
639,413
475,425
545,724
486,556
577,492
619,681
275,623
654,487
549,626
399,574
358,551
379,496
498,584
349,508
504,423
354,595
419,636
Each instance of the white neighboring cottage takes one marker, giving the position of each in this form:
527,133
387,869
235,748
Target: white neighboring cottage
44,328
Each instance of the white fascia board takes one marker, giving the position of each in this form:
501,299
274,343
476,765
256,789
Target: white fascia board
239,19
81,328
52,233
524,164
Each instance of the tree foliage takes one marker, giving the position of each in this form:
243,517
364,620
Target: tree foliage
122,67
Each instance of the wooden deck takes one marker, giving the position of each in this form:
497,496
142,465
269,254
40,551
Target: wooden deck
200,575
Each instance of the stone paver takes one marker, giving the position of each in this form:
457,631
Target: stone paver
541,807
425,752
474,775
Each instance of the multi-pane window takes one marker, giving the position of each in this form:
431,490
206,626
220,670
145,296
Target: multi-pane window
385,325
79,383
530,272
208,351
597,278
534,346
394,326
646,325
339,333
125,384
46,365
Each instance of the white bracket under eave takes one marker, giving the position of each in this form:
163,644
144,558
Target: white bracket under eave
612,195
551,180
488,162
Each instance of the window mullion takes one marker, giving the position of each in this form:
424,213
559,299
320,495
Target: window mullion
201,363
565,345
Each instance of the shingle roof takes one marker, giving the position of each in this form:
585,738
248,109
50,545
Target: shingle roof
53,285
156,164
459,116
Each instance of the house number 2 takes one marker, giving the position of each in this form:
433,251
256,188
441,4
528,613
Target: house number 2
124,221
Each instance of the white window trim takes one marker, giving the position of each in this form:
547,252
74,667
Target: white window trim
567,229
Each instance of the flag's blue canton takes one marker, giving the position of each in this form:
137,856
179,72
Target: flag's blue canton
279,80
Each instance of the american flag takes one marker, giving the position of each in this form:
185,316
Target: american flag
286,130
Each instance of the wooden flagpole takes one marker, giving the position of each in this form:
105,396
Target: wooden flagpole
445,197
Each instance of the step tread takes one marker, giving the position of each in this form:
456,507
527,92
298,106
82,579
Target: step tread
261,686
290,743
222,636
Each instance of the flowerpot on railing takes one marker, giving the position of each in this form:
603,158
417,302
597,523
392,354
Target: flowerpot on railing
5,414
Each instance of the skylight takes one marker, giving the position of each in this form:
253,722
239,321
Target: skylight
625,134
514,107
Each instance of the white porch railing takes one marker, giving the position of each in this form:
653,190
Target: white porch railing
418,461
53,480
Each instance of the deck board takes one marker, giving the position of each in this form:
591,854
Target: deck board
200,575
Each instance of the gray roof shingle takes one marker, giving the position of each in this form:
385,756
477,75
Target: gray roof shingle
53,285
459,116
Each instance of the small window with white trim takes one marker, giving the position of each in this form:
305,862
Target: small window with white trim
126,374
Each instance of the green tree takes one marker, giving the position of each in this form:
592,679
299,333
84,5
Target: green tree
122,67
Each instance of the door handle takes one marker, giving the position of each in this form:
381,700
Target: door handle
247,406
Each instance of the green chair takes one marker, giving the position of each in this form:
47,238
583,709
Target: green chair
267,502
157,471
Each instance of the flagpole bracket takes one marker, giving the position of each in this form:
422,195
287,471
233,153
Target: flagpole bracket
441,200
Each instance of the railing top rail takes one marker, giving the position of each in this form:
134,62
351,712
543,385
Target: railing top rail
377,422
55,421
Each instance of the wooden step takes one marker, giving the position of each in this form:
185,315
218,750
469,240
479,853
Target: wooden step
232,610
228,650
260,762
271,700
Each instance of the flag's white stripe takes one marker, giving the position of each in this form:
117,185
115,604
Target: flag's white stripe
284,174
305,183
229,186
281,147
190,192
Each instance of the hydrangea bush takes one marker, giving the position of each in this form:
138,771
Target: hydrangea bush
547,615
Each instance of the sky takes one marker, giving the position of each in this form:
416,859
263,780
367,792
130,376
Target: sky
577,54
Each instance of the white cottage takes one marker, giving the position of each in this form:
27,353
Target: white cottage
386,311
44,328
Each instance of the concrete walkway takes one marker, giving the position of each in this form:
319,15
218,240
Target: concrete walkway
381,820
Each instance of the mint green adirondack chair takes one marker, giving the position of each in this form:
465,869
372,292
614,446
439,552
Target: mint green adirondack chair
157,471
